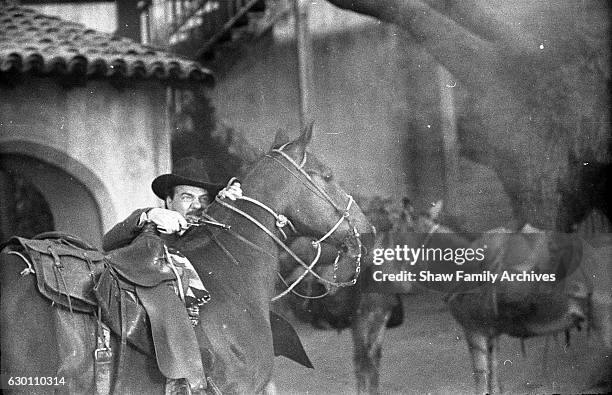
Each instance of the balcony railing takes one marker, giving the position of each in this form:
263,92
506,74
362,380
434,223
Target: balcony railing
193,27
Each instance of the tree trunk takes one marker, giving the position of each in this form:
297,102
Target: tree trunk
520,88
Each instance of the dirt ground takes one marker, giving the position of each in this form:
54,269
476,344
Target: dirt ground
428,354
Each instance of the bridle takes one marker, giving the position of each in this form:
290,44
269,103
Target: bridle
282,221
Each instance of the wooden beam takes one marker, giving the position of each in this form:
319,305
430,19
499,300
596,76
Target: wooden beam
304,52
448,128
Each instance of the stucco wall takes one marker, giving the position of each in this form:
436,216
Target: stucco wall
95,15
113,141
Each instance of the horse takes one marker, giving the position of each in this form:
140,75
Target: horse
488,311
287,188
517,308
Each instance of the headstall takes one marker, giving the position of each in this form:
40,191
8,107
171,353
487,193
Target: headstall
282,221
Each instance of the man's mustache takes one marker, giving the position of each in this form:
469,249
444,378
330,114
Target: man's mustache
195,213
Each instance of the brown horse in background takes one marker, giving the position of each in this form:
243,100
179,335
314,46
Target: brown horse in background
484,311
238,267
489,310
519,309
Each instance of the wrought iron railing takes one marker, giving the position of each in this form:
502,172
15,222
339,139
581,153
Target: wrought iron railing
193,27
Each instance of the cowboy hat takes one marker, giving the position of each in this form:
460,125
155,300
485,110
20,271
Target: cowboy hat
186,171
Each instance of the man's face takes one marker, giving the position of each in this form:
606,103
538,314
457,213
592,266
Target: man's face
189,201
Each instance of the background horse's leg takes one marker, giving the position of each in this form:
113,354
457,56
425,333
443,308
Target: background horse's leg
492,351
478,346
27,332
368,329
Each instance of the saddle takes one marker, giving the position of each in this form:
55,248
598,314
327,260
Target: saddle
65,273
545,252
131,287
557,254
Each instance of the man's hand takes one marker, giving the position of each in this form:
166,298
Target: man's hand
167,221
232,191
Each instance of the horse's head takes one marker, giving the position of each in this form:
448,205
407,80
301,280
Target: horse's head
310,195
417,221
377,210
304,190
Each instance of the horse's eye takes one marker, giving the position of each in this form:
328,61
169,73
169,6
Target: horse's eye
328,177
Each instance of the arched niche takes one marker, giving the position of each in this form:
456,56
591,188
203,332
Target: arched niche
79,202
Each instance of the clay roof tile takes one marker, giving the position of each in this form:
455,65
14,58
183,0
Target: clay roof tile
53,46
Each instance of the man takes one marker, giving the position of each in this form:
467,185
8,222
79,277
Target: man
186,192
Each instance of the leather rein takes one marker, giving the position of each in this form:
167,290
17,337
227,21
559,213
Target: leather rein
282,221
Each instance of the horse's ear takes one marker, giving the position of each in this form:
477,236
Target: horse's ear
281,138
306,134
436,210
302,142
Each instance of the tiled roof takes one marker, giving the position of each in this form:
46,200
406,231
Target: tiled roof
36,44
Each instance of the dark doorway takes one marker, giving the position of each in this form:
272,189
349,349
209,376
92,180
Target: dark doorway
23,209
